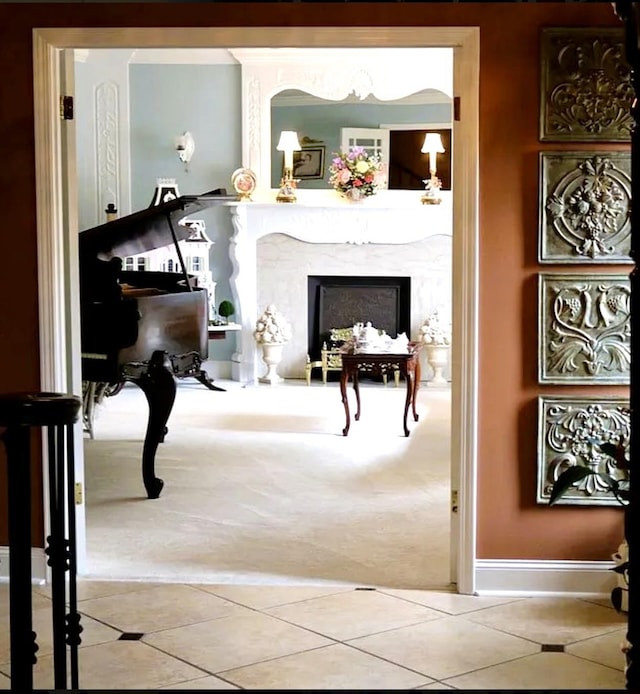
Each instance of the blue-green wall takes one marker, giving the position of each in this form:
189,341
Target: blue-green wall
166,100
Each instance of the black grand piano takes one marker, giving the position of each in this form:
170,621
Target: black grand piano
144,327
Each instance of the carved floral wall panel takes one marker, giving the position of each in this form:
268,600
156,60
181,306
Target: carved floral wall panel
569,433
585,207
586,89
583,328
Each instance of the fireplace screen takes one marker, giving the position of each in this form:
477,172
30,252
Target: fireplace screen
340,302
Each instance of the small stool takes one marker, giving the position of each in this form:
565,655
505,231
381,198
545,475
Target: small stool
19,413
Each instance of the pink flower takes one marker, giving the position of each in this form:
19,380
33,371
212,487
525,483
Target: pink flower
344,176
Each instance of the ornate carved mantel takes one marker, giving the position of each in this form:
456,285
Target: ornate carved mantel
374,222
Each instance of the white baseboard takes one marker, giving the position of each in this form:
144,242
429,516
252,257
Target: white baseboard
38,565
494,577
518,577
217,369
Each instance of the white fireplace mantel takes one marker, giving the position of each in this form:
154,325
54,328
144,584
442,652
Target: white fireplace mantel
316,221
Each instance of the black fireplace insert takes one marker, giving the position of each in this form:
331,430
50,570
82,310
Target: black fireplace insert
336,301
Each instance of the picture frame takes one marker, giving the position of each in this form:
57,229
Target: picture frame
308,163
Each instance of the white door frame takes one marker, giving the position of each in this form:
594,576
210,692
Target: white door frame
58,337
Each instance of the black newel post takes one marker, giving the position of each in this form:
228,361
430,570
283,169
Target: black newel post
628,14
55,413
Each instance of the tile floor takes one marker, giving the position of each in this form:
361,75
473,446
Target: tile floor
177,636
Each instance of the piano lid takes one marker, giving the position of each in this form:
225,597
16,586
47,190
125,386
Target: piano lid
148,229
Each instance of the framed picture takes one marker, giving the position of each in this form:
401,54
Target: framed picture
309,162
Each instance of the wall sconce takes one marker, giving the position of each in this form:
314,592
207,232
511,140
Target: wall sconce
288,144
185,147
433,146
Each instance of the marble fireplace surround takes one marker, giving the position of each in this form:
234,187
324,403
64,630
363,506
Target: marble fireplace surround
275,247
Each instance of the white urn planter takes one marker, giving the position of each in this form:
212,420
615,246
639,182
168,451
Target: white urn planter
272,356
272,333
437,358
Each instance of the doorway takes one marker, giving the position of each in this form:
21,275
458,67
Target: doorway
60,365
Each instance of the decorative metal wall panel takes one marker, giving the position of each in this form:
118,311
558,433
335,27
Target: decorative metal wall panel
570,431
583,328
585,207
586,91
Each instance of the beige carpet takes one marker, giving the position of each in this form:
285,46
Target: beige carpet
262,488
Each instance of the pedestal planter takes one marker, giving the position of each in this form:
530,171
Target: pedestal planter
437,358
272,356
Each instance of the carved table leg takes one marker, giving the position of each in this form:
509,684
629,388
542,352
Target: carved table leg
416,386
407,401
344,377
356,390
159,387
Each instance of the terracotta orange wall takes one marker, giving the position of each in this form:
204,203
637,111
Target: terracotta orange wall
510,524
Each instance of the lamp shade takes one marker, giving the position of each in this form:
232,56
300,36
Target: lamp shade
432,143
288,141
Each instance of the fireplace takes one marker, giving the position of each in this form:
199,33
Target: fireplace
276,249
336,301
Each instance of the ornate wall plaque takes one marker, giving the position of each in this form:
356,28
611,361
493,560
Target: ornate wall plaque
586,92
583,328
569,433
585,207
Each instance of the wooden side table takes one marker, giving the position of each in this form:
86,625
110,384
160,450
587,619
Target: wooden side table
407,365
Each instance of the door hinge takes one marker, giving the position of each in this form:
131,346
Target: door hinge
78,495
66,107
456,108
454,501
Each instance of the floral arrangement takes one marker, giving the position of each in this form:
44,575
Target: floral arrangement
434,331
272,327
356,173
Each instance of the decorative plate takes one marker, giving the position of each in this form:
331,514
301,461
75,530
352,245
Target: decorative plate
244,183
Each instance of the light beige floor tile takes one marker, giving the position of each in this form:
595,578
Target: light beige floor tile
436,685
603,602
120,665
448,601
550,620
260,597
92,632
37,599
445,647
162,607
235,641
543,671
602,649
209,683
5,682
332,667
87,588
357,613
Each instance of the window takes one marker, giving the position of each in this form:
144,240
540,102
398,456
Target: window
142,264
128,263
169,265
196,263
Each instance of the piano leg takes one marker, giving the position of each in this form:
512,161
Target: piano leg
190,366
203,377
159,387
